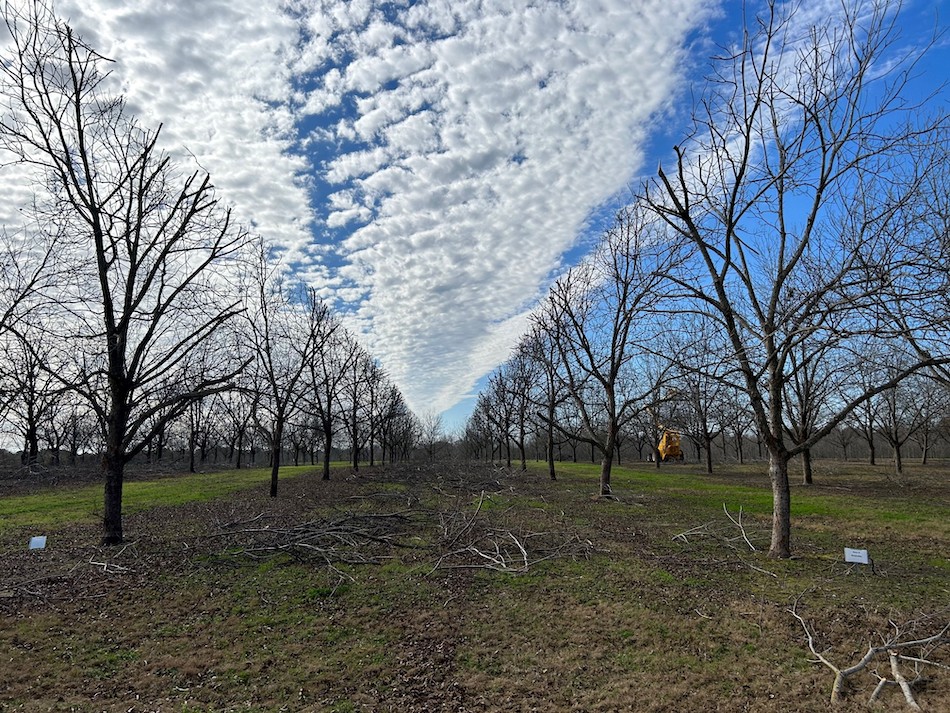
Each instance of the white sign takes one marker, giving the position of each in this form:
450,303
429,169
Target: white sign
859,556
38,542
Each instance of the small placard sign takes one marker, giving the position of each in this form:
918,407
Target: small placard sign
858,556
38,542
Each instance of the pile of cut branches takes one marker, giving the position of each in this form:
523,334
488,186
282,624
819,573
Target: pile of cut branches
471,541
915,645
351,538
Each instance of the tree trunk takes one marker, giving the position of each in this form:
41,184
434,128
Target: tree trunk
327,444
112,518
160,446
898,460
239,449
709,462
607,462
275,457
781,545
806,467
32,451
550,445
73,440
113,463
191,451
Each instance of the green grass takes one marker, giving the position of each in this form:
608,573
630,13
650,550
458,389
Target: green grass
703,492
640,616
62,506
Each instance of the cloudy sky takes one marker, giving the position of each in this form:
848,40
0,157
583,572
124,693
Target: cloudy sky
429,165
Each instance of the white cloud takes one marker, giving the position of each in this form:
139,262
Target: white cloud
466,144
484,139
217,76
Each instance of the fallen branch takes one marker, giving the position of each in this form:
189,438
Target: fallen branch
698,530
351,539
110,566
891,647
506,551
711,529
738,523
902,682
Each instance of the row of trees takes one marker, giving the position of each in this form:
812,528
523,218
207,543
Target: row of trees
713,420
795,255
341,401
133,301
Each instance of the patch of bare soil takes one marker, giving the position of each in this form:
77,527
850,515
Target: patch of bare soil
423,587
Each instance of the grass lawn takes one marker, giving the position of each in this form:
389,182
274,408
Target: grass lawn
84,504
450,587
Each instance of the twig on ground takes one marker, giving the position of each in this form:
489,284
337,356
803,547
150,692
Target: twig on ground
891,647
345,540
110,566
738,523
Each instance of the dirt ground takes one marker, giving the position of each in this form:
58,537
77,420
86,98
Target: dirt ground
445,588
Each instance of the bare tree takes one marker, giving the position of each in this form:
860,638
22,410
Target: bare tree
698,398
237,406
399,427
903,412
864,418
357,395
548,393
32,395
515,381
844,436
391,425
497,403
143,300
934,409
703,420
286,338
797,193
431,431
807,397
377,390
598,313
326,380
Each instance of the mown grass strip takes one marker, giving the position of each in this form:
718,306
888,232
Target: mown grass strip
701,493
84,504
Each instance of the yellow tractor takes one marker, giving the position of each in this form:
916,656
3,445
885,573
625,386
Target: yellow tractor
669,447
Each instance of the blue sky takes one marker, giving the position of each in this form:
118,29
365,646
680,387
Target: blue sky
430,166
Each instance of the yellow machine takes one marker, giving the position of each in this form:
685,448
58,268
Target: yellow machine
669,447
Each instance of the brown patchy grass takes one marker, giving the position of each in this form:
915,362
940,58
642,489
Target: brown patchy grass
176,621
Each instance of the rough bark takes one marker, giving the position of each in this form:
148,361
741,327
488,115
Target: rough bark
781,543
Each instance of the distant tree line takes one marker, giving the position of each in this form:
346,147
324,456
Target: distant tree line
784,278
137,314
922,420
